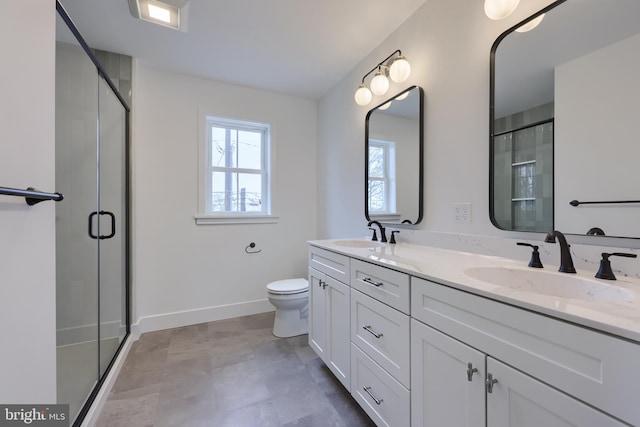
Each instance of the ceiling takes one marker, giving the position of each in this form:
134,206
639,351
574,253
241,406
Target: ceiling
297,47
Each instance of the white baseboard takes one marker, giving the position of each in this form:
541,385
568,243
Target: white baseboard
201,315
96,407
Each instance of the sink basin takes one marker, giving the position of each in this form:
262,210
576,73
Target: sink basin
358,243
550,283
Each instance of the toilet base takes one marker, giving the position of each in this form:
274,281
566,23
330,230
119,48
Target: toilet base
289,324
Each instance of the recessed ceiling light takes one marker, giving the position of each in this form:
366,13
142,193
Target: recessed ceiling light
168,13
159,13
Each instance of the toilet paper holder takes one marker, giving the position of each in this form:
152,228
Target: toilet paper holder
250,249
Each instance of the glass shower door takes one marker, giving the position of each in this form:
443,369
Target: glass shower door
111,225
76,253
91,222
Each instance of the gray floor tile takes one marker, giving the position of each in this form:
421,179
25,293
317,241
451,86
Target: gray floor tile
231,373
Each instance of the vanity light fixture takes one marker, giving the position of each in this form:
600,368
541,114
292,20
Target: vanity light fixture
379,83
398,69
499,9
168,13
530,25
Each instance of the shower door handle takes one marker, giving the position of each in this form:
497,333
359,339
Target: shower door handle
113,225
91,215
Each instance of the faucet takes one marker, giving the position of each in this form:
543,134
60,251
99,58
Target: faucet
566,263
383,235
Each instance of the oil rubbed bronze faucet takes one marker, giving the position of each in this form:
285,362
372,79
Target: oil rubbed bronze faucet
566,263
383,235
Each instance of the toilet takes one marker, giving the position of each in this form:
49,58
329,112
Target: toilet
290,297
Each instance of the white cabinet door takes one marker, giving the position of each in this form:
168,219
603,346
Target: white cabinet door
338,328
329,324
517,400
317,314
445,389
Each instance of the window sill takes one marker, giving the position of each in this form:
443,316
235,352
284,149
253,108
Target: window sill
235,219
387,216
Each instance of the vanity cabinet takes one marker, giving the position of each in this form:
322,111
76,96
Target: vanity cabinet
329,311
451,387
380,356
413,352
548,372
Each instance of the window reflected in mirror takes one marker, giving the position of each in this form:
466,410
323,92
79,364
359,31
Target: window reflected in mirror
394,159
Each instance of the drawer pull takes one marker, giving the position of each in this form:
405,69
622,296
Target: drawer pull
371,282
368,329
490,382
375,399
470,371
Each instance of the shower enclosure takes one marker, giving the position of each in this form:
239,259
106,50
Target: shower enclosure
91,222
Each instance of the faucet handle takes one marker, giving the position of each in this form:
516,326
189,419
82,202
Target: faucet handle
535,255
374,238
392,240
605,271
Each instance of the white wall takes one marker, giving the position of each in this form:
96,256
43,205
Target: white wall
187,273
27,246
596,110
448,45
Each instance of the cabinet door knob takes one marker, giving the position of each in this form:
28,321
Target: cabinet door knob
490,382
375,399
470,371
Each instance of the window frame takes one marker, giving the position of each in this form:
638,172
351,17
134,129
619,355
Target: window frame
205,213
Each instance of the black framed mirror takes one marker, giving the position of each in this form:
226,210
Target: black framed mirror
394,156
563,108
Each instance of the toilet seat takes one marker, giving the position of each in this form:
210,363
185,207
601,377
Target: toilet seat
288,287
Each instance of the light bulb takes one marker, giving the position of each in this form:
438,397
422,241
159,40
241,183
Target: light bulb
530,25
400,69
379,83
385,106
499,9
363,95
403,96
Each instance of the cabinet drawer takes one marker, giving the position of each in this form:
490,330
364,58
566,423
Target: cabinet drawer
389,286
383,398
596,368
382,333
330,263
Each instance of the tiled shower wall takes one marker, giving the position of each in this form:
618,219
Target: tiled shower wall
533,180
118,67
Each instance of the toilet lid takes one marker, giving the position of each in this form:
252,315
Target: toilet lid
288,286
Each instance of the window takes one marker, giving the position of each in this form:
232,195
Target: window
382,177
236,169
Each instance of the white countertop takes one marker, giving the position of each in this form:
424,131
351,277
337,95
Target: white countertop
447,267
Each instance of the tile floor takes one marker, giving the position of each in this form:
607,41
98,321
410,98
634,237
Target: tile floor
227,373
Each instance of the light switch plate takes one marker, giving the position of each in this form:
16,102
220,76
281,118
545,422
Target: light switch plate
462,213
